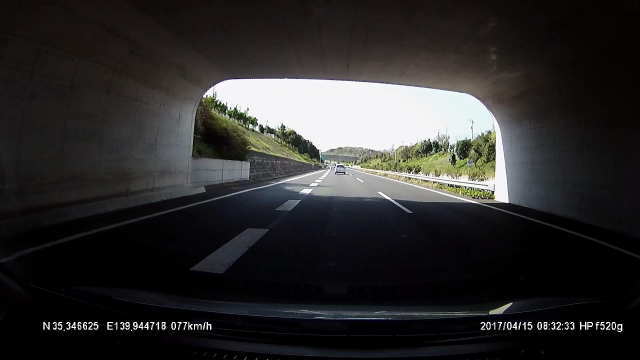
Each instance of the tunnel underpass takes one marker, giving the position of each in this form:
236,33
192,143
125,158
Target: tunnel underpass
96,108
99,101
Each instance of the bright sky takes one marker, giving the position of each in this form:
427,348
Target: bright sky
344,113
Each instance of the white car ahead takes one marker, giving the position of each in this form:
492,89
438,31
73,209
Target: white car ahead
340,169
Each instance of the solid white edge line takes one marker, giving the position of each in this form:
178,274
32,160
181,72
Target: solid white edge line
134,220
396,203
597,241
500,310
219,261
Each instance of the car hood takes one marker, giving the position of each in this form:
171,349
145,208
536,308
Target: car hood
330,312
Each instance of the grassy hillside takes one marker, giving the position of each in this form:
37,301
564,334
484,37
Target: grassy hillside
468,192
218,136
268,145
350,151
436,165
475,159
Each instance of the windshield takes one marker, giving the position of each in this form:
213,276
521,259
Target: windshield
416,160
417,224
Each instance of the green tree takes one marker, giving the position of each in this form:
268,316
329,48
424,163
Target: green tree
403,153
281,132
427,147
452,159
435,147
463,147
443,142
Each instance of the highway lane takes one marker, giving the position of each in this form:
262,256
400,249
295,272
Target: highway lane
354,238
159,247
495,252
343,233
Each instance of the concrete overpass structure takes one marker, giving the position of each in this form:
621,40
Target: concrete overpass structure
99,98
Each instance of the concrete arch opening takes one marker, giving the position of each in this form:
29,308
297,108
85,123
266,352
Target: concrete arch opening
368,117
98,105
97,108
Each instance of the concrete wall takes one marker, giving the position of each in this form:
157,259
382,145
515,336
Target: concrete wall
12,226
264,167
98,98
215,171
90,109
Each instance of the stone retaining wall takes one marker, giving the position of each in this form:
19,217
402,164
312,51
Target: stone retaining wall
265,167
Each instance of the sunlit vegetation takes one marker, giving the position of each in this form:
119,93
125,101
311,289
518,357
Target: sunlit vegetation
229,133
464,191
217,136
282,134
358,152
474,159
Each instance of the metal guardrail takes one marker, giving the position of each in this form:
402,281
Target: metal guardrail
469,184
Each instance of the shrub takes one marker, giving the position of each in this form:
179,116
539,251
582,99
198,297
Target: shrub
455,173
452,159
473,193
476,174
426,169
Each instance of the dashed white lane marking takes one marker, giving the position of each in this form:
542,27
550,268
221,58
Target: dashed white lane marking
360,180
305,191
221,260
319,180
63,240
396,203
313,184
288,205
587,237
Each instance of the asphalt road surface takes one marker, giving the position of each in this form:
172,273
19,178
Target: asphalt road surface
325,238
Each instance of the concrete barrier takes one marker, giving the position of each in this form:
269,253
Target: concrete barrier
216,171
203,172
265,167
21,223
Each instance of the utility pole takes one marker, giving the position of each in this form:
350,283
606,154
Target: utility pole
471,129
